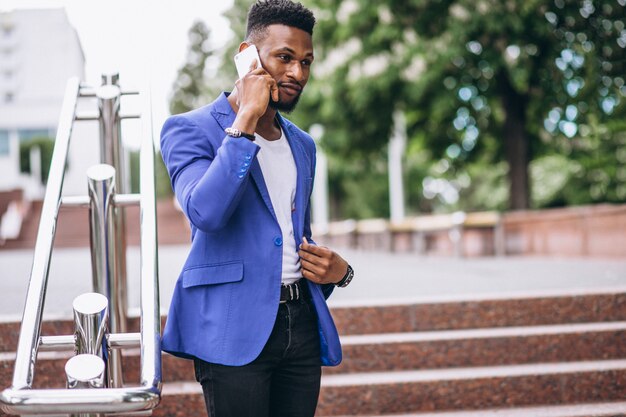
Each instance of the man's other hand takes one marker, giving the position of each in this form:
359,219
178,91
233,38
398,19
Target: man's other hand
320,264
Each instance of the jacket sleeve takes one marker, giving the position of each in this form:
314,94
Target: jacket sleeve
208,181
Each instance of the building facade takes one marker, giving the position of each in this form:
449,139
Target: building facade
39,52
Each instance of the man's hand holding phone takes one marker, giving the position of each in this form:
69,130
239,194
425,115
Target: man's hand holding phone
254,87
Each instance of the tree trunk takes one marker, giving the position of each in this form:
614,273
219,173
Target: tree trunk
516,146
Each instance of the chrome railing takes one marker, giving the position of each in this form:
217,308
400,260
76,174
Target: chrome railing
94,377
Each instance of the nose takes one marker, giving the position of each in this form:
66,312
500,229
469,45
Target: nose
296,70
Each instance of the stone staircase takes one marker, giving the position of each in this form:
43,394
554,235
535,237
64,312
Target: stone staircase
557,355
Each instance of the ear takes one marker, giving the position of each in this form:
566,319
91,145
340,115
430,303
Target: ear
243,45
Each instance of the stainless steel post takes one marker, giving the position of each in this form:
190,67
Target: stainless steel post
111,78
111,153
90,320
101,186
88,369
85,371
102,225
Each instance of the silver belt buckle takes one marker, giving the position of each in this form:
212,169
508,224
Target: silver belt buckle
291,292
281,294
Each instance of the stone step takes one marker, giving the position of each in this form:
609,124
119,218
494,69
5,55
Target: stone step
464,313
473,388
53,326
181,399
437,390
582,389
185,399
611,409
50,368
481,347
469,312
405,351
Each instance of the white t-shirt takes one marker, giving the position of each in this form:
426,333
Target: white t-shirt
280,174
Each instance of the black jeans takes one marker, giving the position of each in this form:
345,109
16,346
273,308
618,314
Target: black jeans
284,381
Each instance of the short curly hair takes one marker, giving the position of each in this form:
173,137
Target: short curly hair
264,13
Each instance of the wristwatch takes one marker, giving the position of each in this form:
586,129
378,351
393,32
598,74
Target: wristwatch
346,278
236,133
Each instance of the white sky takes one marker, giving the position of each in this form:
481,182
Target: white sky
140,38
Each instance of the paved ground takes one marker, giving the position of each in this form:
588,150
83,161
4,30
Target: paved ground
380,277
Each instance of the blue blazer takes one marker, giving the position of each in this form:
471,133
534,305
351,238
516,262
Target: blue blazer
226,298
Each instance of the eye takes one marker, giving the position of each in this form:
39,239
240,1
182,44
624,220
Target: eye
306,62
284,57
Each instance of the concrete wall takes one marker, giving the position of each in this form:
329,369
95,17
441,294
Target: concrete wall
586,231
577,231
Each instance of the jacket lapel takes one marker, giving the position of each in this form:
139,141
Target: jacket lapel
299,157
257,176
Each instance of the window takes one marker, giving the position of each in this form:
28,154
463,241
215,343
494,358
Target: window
6,28
4,142
27,134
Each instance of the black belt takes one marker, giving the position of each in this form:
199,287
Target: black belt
291,292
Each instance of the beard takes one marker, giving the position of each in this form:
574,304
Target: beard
284,106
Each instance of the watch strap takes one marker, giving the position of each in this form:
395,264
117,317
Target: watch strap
346,278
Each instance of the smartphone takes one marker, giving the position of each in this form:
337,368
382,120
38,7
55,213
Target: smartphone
244,59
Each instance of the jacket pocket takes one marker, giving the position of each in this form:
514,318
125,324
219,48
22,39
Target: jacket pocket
213,274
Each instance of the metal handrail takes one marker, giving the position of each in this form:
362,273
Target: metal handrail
33,309
20,398
150,324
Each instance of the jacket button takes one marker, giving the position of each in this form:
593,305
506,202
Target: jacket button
278,241
248,157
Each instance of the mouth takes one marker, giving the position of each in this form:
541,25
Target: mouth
290,89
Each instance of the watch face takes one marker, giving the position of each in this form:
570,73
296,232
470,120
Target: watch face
232,132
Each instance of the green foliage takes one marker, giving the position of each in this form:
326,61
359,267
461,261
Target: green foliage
347,197
162,184
551,174
191,88
509,104
475,78
46,147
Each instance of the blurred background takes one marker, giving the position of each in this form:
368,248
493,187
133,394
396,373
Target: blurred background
471,166
422,107
503,105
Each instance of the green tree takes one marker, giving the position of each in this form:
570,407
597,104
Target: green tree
480,81
497,95
46,147
191,89
236,16
163,187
